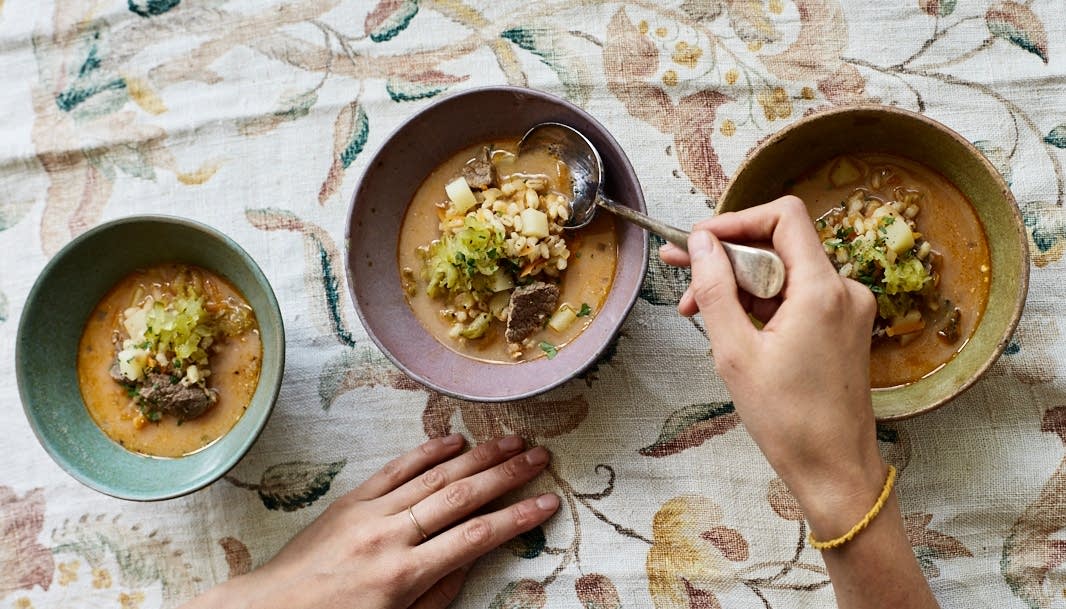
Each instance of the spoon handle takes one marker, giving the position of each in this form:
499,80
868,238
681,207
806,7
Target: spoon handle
758,271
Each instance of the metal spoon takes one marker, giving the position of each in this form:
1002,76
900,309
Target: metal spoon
758,271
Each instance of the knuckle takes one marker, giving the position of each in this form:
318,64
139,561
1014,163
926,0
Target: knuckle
435,479
371,541
522,516
427,449
393,471
397,574
477,532
793,204
484,453
459,495
510,469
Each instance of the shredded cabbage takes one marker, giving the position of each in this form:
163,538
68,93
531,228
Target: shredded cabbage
464,261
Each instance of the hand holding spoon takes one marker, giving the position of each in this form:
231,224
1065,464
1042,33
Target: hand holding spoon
758,271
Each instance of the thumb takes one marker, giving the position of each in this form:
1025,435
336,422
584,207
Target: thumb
715,290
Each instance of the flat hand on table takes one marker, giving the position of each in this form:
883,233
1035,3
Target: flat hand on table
404,538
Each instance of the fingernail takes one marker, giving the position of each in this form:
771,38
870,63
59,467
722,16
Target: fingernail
666,247
699,244
537,456
548,502
452,440
511,443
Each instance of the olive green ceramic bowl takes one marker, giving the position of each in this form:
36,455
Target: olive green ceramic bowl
68,289
806,144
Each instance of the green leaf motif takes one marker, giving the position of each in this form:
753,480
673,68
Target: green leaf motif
1057,136
1046,225
13,213
1019,25
93,89
596,591
350,132
691,426
350,369
401,90
130,158
389,18
151,8
663,284
554,48
937,8
295,485
521,594
529,544
998,157
289,109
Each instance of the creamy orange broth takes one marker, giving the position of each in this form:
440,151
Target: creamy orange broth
587,278
234,365
949,223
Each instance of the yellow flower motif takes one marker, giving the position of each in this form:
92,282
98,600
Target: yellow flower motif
731,76
101,578
660,32
681,553
143,95
23,603
687,55
68,572
807,93
775,103
755,46
670,78
643,27
776,7
729,128
131,601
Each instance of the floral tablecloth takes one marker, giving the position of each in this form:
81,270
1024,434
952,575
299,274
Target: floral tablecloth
258,117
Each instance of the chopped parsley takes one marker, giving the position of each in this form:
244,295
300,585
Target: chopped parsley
585,310
548,349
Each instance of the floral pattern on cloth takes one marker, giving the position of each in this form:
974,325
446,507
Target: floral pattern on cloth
258,118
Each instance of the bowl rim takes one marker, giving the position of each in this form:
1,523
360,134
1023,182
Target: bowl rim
225,464
593,356
1012,204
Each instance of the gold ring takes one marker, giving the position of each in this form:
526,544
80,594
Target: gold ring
414,521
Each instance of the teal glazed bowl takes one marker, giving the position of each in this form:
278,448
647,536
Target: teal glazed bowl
67,291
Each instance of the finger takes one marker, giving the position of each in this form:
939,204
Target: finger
465,543
482,457
687,305
460,498
673,255
405,467
786,223
446,590
715,290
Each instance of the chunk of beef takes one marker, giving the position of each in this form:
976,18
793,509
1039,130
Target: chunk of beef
170,396
480,173
530,306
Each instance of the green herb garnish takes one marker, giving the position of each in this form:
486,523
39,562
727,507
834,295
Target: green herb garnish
548,349
585,310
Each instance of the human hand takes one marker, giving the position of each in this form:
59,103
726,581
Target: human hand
366,550
801,384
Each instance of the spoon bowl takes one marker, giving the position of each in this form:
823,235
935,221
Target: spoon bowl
758,271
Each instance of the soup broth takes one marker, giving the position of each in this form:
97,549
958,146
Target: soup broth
114,401
957,248
579,263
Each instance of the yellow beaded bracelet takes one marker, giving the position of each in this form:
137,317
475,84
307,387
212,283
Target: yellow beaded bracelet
890,481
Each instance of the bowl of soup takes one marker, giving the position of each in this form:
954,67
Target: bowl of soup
149,356
458,260
915,212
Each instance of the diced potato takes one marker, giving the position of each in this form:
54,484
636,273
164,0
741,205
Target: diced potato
845,170
562,318
460,194
501,281
898,235
534,223
131,363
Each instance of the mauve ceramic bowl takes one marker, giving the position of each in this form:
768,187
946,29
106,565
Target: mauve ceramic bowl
809,142
374,222
66,292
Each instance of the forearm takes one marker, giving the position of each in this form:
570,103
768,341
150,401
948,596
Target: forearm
877,568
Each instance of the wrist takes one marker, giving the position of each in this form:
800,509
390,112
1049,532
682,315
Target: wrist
835,505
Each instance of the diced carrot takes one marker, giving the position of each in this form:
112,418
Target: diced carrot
906,327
